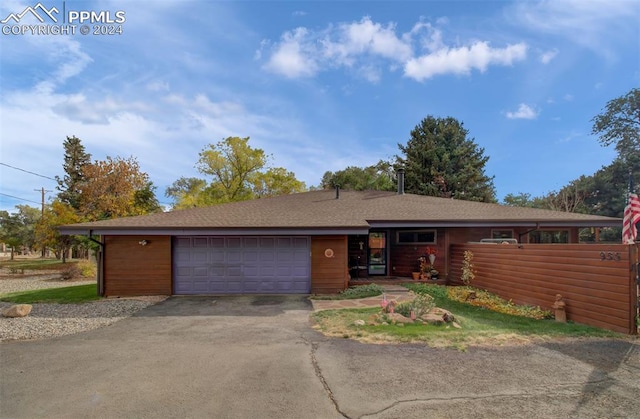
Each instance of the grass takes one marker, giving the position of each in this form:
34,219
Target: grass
360,291
66,295
479,326
35,264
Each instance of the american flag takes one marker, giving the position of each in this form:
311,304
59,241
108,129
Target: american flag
631,217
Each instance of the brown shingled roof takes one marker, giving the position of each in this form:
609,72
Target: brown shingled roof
353,210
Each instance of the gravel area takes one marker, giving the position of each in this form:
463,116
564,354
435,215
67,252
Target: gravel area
52,320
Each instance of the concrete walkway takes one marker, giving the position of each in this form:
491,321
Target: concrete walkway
392,292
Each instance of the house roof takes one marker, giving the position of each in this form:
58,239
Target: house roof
321,211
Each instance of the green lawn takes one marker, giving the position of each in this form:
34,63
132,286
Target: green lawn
66,295
34,264
479,326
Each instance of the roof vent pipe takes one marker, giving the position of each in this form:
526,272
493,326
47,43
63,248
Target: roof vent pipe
400,181
337,192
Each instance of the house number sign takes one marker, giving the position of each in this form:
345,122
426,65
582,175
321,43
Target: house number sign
328,253
610,256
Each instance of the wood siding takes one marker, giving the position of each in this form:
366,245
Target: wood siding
132,269
597,281
329,275
404,257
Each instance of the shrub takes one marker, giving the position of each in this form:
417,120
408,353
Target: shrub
495,303
87,269
420,306
438,292
362,291
468,273
70,272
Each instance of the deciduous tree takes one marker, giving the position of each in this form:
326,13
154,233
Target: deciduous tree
380,176
236,172
118,188
18,229
47,235
619,125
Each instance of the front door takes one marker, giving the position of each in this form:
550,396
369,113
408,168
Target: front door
378,253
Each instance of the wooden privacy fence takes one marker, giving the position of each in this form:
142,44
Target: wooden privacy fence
597,281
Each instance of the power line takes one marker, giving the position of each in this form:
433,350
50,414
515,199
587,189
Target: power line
26,171
17,197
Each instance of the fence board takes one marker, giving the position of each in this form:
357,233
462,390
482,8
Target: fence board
597,281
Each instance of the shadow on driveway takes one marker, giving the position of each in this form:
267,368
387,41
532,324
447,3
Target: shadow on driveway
241,305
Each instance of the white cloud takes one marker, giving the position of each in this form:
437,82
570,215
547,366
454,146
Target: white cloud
368,47
463,59
546,57
587,23
158,86
524,112
293,57
365,37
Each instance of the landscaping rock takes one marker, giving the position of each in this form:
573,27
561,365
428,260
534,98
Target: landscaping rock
359,322
438,316
398,318
447,316
18,310
434,319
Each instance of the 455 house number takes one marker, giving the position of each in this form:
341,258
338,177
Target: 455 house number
610,256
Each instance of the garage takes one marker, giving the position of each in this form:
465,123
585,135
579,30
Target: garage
241,265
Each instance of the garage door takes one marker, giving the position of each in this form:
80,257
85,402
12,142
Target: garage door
241,265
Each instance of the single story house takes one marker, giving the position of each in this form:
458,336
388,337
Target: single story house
311,242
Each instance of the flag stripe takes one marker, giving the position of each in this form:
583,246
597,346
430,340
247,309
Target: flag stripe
630,219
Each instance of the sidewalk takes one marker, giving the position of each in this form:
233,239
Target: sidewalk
393,292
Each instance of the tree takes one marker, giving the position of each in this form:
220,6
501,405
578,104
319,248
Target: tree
619,125
380,176
18,229
57,214
237,172
440,160
522,199
276,181
117,189
75,159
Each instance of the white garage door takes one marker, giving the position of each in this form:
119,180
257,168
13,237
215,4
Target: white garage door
241,265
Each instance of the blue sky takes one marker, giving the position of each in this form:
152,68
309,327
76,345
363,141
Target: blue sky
319,85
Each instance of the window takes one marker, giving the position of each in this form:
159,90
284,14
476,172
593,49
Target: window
416,237
549,236
502,234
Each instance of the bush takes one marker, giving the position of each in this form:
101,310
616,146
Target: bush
361,291
438,292
70,272
421,305
482,298
87,269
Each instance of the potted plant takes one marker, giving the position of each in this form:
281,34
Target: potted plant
430,254
424,267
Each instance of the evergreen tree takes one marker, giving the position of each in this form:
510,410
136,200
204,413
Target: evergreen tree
440,160
75,159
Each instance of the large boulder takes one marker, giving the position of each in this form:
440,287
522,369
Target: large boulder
398,318
18,310
438,316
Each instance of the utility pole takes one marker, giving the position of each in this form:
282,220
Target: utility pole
43,191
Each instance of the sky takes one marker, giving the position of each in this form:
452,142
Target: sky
319,86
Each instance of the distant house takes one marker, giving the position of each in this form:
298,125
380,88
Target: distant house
311,242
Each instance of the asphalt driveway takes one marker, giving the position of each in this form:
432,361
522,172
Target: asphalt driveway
257,357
